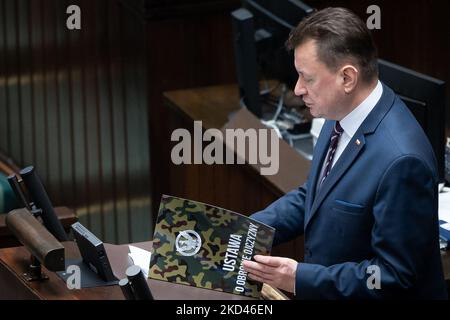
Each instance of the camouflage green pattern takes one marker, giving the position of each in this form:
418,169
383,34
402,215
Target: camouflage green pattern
214,225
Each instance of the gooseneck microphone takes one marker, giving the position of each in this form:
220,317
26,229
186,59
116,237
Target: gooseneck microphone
41,200
17,189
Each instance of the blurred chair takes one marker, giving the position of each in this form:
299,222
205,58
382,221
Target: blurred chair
9,202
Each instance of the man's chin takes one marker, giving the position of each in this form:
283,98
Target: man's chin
314,113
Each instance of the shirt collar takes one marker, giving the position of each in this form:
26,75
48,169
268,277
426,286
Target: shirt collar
351,122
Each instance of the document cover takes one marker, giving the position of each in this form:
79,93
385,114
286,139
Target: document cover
200,245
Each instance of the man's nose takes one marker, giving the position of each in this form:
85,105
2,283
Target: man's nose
299,89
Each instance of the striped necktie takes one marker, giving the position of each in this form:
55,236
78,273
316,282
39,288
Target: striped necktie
334,140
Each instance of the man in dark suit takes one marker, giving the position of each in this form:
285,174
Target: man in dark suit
368,209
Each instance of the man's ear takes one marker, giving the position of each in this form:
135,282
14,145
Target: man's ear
349,76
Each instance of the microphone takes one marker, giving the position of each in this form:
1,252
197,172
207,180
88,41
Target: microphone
41,200
17,189
138,283
127,290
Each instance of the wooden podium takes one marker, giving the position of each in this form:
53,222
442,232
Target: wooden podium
14,262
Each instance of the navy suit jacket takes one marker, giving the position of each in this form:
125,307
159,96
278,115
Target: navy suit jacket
377,207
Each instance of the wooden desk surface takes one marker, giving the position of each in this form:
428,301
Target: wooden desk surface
218,107
211,105
14,261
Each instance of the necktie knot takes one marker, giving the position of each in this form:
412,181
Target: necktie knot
337,130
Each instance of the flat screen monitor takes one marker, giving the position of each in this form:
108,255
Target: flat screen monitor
273,21
425,97
260,30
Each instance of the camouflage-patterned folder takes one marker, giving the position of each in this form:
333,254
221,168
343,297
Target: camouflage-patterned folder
201,245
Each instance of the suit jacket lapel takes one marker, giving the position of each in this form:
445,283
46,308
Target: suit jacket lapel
343,163
350,153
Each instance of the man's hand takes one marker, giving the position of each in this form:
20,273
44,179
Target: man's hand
275,271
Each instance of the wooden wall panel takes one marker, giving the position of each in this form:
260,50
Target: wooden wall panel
11,66
52,104
183,52
4,127
73,103
414,34
26,82
65,107
104,120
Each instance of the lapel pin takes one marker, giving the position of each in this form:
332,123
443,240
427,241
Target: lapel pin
358,142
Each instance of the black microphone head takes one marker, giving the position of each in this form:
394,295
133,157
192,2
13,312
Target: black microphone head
139,284
27,170
133,271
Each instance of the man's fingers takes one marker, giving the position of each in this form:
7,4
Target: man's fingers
256,266
275,271
258,278
259,270
264,276
268,260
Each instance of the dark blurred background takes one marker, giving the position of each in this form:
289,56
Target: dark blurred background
86,107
